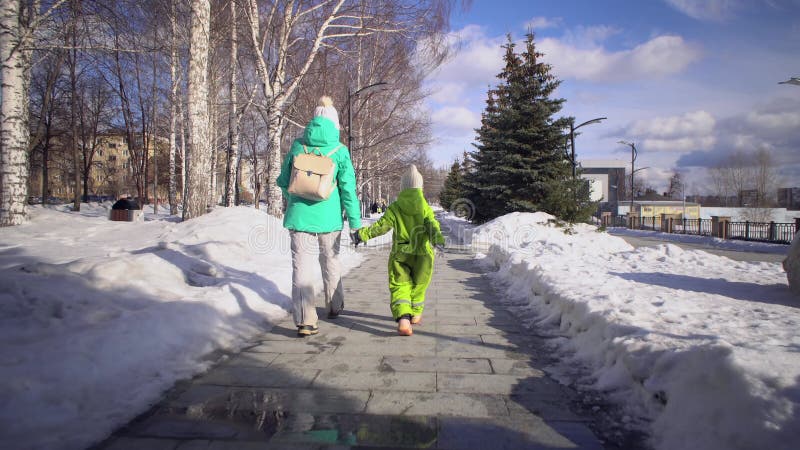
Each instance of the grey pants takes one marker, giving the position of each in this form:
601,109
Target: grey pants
305,275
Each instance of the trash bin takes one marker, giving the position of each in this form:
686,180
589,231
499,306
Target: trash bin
125,210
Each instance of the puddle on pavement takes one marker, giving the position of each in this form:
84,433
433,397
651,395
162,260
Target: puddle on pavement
330,429
362,430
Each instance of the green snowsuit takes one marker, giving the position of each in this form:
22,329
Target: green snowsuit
411,258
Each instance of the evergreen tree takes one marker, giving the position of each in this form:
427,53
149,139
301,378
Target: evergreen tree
453,188
519,163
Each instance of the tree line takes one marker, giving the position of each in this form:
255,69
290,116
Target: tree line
201,88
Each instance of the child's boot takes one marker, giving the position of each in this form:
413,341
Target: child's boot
404,326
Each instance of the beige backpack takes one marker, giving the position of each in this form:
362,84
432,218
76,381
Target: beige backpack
313,175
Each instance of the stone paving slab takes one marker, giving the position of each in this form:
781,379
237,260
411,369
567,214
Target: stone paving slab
437,364
469,378
437,403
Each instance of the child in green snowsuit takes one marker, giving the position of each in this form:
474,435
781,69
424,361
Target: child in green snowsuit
411,258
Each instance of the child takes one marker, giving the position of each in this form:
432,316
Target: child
411,258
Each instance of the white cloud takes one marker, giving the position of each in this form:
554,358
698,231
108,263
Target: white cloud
689,132
455,119
540,23
660,56
715,10
477,59
590,36
790,121
684,144
448,92
695,124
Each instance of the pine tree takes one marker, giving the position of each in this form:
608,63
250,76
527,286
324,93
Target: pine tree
453,188
519,162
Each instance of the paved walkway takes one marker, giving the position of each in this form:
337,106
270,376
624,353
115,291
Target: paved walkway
469,378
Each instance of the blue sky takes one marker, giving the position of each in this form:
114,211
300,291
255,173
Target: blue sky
688,81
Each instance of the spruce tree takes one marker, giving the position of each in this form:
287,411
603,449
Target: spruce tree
519,162
453,188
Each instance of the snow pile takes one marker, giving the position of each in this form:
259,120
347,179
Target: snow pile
98,318
704,346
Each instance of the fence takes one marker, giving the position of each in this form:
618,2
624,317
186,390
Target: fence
779,233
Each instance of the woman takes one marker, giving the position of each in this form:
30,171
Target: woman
318,224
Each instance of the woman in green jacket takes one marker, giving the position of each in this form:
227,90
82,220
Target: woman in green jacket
411,258
318,223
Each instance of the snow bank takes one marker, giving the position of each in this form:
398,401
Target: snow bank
98,318
703,347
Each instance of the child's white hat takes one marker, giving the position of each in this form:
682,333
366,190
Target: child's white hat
411,178
325,109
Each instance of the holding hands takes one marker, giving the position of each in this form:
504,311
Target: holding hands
355,238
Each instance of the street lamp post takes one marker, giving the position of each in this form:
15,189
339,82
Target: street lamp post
633,161
379,86
572,129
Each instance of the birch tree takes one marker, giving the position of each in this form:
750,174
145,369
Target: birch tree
19,19
199,154
175,82
232,154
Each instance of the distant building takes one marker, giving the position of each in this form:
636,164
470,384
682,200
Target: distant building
607,181
789,198
750,197
655,208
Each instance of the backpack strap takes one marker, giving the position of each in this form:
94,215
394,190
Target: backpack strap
334,150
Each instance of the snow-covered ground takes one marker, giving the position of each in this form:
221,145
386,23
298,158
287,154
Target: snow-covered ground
98,318
701,350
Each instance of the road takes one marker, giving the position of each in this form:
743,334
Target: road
739,255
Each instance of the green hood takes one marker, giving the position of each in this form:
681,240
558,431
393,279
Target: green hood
321,132
410,202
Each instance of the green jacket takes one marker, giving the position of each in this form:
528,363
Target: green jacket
413,223
321,216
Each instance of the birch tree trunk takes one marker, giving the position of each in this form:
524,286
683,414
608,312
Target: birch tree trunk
274,194
232,155
182,149
73,105
154,127
173,112
212,203
197,195
15,57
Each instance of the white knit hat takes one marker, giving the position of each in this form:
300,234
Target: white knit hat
411,178
325,109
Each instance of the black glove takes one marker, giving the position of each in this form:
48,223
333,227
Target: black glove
355,238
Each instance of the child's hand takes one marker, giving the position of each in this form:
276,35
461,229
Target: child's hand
355,238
